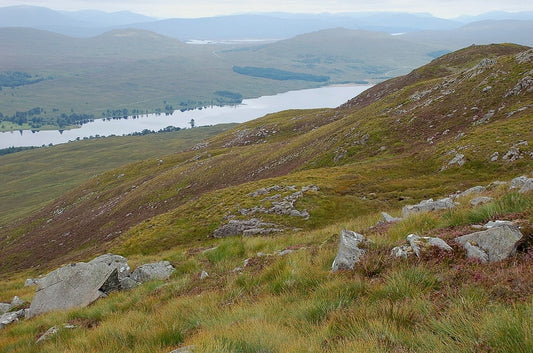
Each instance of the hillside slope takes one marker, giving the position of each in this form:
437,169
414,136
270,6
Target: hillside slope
431,132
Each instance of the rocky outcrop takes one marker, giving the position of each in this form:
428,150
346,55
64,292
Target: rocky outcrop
349,252
250,227
495,244
417,245
428,205
80,284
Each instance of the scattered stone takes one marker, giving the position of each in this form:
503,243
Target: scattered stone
428,205
387,218
149,272
349,252
524,85
480,200
401,251
498,243
458,159
10,317
494,157
52,331
203,275
419,244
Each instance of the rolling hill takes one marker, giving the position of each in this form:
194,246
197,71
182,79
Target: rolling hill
460,121
463,103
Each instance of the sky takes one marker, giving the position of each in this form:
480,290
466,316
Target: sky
207,8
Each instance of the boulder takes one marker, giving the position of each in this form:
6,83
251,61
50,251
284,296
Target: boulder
497,243
75,285
349,252
148,272
428,205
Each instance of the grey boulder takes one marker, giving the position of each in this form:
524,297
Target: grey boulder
156,270
494,244
71,286
349,252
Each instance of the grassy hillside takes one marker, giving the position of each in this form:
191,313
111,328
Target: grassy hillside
145,72
420,122
386,148
33,178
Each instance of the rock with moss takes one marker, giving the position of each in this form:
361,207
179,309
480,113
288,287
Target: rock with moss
491,245
350,250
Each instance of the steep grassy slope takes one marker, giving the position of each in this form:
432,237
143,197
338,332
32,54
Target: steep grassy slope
389,146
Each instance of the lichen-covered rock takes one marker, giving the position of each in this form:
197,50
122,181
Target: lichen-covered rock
498,243
428,205
149,272
419,244
349,252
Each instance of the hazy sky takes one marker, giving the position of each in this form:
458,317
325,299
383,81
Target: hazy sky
205,8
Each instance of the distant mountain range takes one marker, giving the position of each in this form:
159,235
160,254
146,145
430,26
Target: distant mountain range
89,23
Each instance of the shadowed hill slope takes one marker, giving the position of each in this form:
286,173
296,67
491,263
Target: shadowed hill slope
462,119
